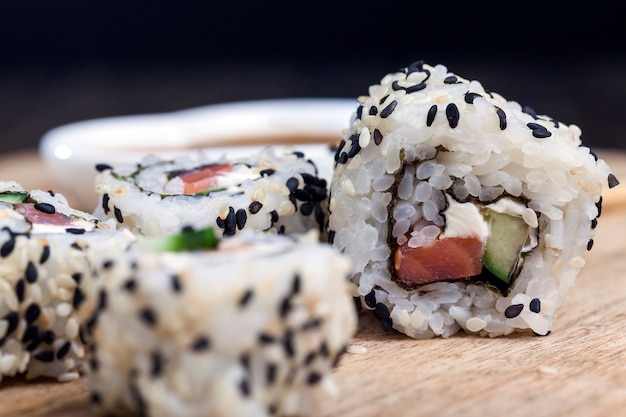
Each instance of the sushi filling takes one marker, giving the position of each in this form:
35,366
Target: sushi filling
483,242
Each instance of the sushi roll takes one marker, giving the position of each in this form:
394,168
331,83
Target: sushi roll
271,191
251,328
460,209
44,281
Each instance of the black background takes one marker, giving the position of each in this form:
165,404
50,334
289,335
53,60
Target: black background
64,61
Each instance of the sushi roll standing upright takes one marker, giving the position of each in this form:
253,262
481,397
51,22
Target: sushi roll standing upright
460,209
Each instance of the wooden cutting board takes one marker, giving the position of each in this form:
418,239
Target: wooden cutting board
579,370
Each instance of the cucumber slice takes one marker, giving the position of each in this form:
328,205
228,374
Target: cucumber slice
13,197
503,249
186,240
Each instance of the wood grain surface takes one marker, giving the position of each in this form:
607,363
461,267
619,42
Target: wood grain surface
578,370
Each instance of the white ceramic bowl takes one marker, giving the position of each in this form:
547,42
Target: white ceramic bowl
70,152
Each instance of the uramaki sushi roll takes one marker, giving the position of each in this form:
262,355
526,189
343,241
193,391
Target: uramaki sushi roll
271,191
45,279
460,209
251,328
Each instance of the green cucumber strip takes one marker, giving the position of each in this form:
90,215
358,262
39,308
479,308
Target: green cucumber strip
186,240
13,197
504,245
211,190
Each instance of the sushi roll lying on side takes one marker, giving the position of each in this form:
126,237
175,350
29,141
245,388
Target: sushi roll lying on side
460,209
251,328
44,281
269,191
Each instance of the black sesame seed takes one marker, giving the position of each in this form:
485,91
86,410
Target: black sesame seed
94,364
52,193
599,206
343,158
535,305
470,97
502,116
339,149
292,184
221,223
430,117
285,307
592,153
78,298
200,344
266,339
157,364
359,112
45,355
313,378
31,272
48,337
452,114
254,207
45,208
415,66
230,227
148,316
76,246
102,300
281,229
378,137
513,310
450,79
32,313
13,320
381,311
77,277
288,346
244,359
75,231
175,283
373,111
7,247
355,148
245,298
244,386
529,110
590,244
324,352
311,324
30,333
296,285
298,154
370,299
105,203
271,371
395,86
20,286
241,217
267,172
310,358
388,109
307,208
63,350
118,215
95,397
539,131
45,254
274,216
594,223
415,88
103,167
107,264
613,181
